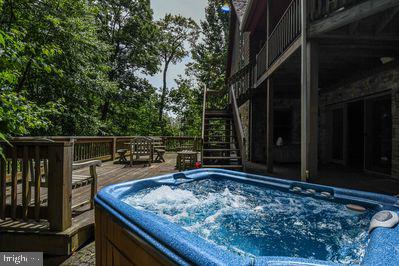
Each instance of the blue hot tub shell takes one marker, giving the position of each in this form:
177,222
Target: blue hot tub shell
185,248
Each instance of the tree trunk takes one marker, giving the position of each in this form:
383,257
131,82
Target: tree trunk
163,96
104,110
24,77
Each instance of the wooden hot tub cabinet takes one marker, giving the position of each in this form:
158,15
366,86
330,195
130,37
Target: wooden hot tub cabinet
116,245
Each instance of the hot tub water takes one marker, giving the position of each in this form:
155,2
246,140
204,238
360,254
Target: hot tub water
260,221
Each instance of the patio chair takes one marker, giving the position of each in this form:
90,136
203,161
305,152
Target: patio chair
141,150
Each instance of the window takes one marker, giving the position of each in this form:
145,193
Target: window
283,125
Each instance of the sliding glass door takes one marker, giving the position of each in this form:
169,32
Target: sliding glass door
378,134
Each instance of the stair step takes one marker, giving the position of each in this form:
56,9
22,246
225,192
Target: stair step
218,118
225,166
221,158
218,142
218,136
219,130
219,150
217,113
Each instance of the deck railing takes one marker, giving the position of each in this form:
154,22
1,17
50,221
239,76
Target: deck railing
261,61
105,148
286,31
288,28
323,8
28,164
242,81
36,172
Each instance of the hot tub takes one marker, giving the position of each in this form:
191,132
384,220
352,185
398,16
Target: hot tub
221,217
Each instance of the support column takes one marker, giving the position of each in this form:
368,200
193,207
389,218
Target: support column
309,100
270,126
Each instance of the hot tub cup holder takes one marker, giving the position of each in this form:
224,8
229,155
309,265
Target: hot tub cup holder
385,219
296,189
325,194
311,192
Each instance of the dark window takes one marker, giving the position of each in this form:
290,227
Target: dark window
283,125
338,134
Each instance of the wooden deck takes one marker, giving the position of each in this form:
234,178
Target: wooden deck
35,235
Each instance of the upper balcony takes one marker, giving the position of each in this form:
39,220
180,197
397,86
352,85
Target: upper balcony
325,17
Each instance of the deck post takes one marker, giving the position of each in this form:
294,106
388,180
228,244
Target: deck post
113,149
60,186
270,127
309,100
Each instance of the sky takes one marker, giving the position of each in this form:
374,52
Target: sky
188,8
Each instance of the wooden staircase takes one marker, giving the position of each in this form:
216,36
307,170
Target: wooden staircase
221,147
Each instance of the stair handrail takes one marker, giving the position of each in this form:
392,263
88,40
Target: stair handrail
203,123
203,113
238,123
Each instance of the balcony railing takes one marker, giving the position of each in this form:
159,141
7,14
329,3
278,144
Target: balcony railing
286,31
242,81
261,61
283,35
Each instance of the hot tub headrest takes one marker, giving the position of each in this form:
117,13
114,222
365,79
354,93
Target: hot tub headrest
387,219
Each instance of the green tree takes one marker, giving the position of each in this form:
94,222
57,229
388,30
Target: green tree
59,61
176,32
127,27
207,69
209,56
186,103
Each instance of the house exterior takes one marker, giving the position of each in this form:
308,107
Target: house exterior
316,82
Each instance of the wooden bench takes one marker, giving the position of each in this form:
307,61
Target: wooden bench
85,180
77,180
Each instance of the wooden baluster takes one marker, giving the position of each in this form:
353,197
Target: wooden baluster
3,181
45,166
37,183
290,22
14,183
25,183
32,177
311,9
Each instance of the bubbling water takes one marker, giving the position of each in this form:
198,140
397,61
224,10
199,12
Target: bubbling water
261,221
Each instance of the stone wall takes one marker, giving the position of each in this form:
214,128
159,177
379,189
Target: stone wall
259,124
258,133
383,81
244,114
395,127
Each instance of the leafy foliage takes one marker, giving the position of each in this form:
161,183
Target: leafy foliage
209,56
175,33
127,27
77,67
206,70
